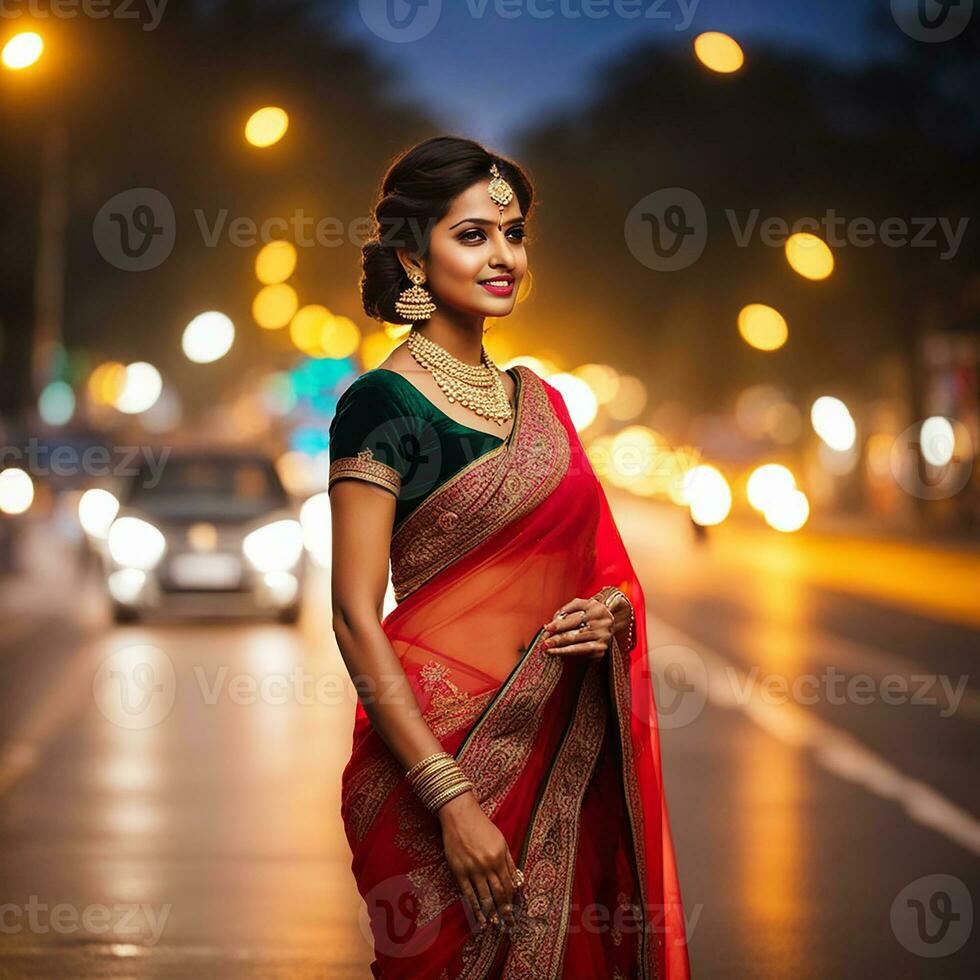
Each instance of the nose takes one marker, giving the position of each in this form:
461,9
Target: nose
503,253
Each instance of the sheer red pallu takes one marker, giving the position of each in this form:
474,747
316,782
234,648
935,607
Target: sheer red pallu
564,751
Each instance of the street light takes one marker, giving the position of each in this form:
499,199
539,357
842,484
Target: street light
266,126
22,50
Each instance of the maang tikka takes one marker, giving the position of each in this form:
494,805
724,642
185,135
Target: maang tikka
501,193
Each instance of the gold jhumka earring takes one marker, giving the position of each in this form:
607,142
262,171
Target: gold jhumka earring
415,303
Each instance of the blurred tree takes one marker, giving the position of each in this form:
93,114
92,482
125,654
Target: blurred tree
789,137
166,109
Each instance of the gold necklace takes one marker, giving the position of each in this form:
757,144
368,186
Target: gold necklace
475,386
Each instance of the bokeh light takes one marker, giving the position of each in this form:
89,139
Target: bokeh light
266,126
97,509
719,52
56,403
708,495
809,256
788,511
274,306
141,388
307,326
275,263
767,483
937,440
208,337
340,337
762,327
106,382
832,421
16,490
579,398
22,50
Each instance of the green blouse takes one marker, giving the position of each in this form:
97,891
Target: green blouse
385,431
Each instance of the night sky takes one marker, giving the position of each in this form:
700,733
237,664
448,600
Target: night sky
487,76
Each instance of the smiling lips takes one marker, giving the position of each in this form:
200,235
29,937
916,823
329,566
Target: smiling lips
501,286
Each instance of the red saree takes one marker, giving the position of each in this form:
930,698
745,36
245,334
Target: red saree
564,752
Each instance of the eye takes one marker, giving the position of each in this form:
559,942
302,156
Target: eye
518,233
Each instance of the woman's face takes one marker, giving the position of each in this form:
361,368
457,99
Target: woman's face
466,249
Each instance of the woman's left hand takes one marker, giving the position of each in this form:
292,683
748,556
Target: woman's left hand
563,635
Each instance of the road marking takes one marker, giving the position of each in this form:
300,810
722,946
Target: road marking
860,658
834,749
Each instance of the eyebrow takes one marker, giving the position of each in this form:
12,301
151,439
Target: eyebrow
485,221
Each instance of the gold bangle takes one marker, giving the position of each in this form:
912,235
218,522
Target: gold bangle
428,759
450,794
436,786
434,800
610,592
435,772
433,782
437,779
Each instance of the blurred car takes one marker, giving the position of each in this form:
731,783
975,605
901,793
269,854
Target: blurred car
217,525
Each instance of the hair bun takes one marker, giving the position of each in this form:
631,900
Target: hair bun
383,278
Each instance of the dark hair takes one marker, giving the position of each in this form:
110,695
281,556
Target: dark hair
416,192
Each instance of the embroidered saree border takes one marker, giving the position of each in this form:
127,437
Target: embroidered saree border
487,494
493,755
499,744
537,944
622,695
364,466
447,710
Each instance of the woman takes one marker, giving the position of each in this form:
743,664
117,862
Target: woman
503,799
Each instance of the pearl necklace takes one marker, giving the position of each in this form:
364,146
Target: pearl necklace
475,386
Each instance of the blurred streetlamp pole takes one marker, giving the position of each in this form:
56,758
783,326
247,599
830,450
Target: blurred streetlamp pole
20,53
49,272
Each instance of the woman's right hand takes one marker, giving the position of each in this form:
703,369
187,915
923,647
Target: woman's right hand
479,857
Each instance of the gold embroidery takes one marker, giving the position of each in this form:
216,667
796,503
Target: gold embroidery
486,494
493,755
625,903
367,791
433,882
364,466
501,742
548,858
622,698
449,708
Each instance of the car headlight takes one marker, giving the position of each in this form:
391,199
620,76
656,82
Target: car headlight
136,543
274,548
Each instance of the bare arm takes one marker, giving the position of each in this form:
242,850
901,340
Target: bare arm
362,518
